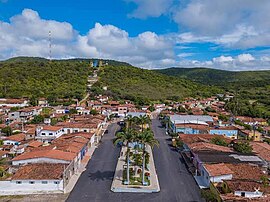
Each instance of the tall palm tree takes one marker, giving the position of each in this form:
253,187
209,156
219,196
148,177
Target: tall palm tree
147,138
142,120
125,137
130,121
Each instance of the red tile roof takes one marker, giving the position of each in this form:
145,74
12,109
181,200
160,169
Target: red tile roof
35,144
18,137
243,185
261,149
204,146
40,172
187,138
53,154
52,128
218,169
246,171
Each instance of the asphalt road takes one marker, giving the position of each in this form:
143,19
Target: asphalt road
176,183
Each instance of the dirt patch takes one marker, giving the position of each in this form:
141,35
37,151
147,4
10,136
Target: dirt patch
35,198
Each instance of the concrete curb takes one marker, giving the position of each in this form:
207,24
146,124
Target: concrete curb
118,187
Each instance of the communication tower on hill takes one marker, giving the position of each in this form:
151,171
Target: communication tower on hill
50,45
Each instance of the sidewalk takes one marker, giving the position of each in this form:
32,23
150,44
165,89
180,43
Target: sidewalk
117,185
73,180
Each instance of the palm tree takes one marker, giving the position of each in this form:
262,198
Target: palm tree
130,120
147,138
143,120
125,137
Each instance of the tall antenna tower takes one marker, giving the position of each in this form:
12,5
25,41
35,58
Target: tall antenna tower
50,45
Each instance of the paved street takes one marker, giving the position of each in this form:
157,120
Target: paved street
175,182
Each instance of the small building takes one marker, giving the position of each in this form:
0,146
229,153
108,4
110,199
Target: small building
251,135
42,178
44,156
48,133
189,119
230,131
14,139
25,114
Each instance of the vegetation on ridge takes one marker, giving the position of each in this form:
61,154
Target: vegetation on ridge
140,84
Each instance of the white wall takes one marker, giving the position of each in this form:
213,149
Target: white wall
10,142
55,134
38,160
220,178
249,194
75,130
12,188
214,179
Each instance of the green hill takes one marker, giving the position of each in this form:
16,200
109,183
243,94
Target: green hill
221,77
252,88
38,77
134,83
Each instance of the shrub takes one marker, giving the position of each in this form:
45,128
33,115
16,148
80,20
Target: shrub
219,141
243,147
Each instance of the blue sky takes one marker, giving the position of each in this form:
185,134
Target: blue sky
232,35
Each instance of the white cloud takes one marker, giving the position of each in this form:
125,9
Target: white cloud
223,59
245,58
240,62
184,55
231,23
27,35
235,23
150,8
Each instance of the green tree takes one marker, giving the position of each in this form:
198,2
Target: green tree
125,137
93,112
223,117
143,120
33,101
37,119
151,108
219,141
73,111
146,138
243,147
7,131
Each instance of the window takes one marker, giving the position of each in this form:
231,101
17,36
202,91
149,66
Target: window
243,194
18,182
44,182
56,182
42,133
31,182
50,134
85,131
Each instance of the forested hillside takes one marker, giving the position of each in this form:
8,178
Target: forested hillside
221,78
252,88
38,77
135,83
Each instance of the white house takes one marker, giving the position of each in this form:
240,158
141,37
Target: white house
13,103
31,179
25,114
247,188
14,139
214,173
44,156
48,133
